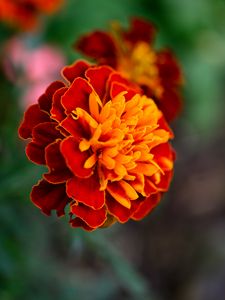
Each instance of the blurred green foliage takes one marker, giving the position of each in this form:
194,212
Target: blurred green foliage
43,258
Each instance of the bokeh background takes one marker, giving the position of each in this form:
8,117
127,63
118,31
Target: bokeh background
177,252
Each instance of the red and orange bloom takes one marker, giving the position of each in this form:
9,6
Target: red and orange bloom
132,53
106,147
24,13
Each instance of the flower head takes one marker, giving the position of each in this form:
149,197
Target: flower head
132,53
24,13
105,144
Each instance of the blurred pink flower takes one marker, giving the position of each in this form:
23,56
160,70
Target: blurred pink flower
31,69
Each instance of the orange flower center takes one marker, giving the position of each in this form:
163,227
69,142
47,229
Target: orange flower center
138,63
122,136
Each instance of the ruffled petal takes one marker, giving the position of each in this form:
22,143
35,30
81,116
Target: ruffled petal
77,95
117,88
98,77
121,213
99,45
140,30
170,103
57,110
50,197
150,188
79,223
86,191
93,218
75,70
164,182
32,117
74,158
43,135
58,171
169,69
45,101
146,207
164,156
122,192
76,128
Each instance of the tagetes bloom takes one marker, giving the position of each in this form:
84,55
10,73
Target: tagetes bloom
105,145
24,13
132,53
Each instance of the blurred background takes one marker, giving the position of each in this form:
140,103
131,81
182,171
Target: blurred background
177,252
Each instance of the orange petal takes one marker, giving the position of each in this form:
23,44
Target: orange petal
147,169
90,162
94,103
122,192
121,213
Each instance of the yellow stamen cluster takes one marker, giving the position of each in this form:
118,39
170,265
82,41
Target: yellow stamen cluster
138,63
122,136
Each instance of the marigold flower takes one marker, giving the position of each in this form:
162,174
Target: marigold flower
106,147
132,53
24,13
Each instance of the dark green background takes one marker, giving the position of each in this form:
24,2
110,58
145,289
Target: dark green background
178,252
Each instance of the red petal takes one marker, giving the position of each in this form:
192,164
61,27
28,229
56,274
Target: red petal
58,171
146,206
77,95
74,158
140,30
32,117
117,88
169,69
75,70
100,46
50,197
86,191
77,223
165,181
76,128
163,151
149,187
93,218
118,84
164,125
57,111
45,101
121,213
98,77
36,153
43,135
170,103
